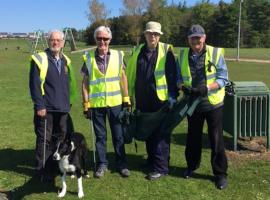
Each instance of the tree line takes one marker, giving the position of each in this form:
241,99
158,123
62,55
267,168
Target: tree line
219,20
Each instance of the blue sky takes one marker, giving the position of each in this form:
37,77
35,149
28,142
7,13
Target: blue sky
31,15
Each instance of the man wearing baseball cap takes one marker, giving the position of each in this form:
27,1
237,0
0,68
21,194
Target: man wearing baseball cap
151,74
203,72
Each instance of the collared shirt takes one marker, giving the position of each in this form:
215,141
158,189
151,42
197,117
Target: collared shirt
58,64
102,63
197,70
221,74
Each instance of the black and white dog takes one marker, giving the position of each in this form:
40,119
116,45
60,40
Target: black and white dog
71,157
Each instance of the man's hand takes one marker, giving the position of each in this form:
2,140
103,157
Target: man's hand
41,113
126,103
171,102
186,89
87,111
201,90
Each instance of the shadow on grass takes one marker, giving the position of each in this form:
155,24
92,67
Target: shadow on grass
21,162
134,162
180,139
179,171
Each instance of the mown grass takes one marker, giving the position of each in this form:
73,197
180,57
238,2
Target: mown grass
248,179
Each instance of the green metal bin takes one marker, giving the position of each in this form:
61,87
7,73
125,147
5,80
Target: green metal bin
246,112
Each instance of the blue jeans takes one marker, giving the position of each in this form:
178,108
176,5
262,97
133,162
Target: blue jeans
99,123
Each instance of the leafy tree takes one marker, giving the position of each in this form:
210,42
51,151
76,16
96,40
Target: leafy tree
220,21
203,14
224,26
133,9
97,11
89,32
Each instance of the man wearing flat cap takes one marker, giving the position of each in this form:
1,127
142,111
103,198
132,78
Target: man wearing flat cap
203,72
151,74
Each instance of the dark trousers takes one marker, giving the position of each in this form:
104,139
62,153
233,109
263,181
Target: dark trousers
158,150
56,130
193,150
99,123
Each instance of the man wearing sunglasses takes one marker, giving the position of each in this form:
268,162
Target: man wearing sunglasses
104,91
203,72
151,73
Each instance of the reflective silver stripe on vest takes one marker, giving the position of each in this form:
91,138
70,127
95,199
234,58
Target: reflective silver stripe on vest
159,73
214,56
186,78
214,60
38,57
103,94
102,80
181,57
161,87
211,76
120,61
88,64
211,92
165,47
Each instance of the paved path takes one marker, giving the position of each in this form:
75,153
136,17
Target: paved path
248,60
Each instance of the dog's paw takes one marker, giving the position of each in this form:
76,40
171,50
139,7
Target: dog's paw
86,176
80,195
72,176
61,194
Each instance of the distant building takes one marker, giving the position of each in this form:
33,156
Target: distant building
20,35
3,34
31,35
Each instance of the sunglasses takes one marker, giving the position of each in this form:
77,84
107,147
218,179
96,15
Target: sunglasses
102,38
153,33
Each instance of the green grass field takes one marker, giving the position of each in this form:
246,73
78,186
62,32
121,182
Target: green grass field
249,174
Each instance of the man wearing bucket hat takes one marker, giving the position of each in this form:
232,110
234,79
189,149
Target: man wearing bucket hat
203,72
151,73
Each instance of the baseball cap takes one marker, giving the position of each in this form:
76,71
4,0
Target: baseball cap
196,31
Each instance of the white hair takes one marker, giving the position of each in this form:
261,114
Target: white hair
56,31
103,29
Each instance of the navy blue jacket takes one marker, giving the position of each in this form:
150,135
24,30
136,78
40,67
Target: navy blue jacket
145,85
56,86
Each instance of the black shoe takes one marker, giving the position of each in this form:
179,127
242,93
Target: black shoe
221,182
187,173
154,175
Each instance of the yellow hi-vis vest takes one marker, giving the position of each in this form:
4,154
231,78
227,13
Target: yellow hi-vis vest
160,78
41,60
212,54
105,89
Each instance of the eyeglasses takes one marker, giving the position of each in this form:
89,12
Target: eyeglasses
56,40
102,38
